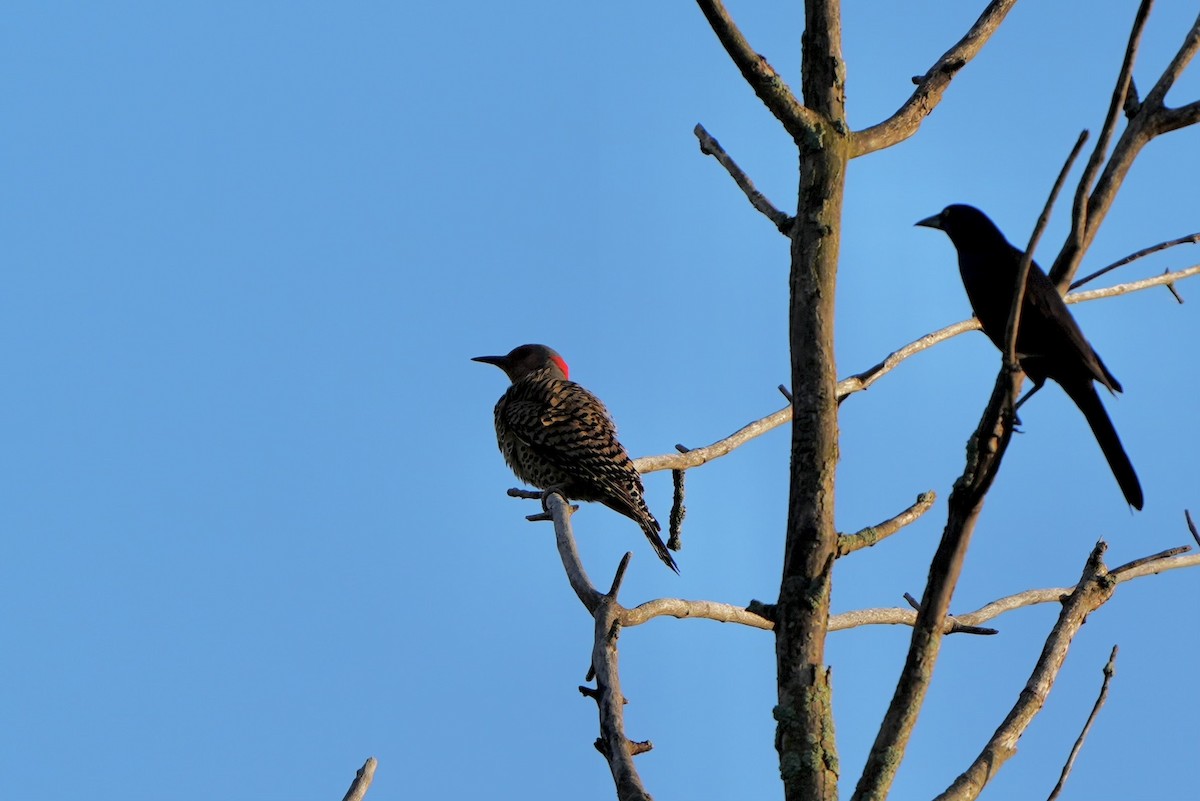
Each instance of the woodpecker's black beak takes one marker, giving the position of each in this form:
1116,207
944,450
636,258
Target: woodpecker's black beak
496,360
932,222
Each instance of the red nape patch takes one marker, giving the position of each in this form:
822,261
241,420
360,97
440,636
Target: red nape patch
562,365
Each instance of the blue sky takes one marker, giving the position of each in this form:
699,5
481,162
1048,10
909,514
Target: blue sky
254,518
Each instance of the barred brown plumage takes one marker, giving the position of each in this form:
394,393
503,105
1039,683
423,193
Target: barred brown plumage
554,433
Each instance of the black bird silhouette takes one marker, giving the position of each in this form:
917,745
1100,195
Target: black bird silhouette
555,434
1049,342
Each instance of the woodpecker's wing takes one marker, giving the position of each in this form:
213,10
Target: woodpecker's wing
567,427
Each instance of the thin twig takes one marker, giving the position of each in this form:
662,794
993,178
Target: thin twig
1187,515
711,147
362,781
1109,669
1014,312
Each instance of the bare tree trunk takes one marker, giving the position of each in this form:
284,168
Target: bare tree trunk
805,735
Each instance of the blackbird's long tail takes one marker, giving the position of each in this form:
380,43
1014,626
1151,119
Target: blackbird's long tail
1084,395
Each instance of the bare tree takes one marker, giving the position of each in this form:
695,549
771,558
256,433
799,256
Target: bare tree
800,617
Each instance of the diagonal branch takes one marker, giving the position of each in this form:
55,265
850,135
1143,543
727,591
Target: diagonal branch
711,147
930,86
797,120
1110,668
862,381
849,543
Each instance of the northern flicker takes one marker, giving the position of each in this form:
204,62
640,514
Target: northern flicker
554,433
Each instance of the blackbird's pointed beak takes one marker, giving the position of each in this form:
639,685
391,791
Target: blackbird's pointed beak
932,222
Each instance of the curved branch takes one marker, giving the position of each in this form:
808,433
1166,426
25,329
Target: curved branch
706,610
560,511
930,86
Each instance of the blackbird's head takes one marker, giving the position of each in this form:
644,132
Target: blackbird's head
967,227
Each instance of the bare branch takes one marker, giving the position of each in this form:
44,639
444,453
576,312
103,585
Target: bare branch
698,456
711,147
1190,239
1095,588
707,610
362,781
930,86
1187,515
848,543
762,77
1109,669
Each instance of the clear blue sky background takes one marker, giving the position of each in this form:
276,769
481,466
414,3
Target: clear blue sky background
254,519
